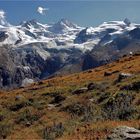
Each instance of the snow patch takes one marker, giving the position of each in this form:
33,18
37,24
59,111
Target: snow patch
26,68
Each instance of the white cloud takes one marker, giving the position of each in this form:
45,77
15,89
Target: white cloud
2,14
3,20
42,10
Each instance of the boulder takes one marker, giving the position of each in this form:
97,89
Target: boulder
81,90
123,76
91,86
107,73
58,99
124,133
51,106
19,97
27,82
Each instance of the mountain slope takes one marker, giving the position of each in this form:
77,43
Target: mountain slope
78,106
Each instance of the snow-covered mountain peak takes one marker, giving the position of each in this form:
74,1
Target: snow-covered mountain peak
105,33
127,21
32,24
110,27
67,23
63,26
64,33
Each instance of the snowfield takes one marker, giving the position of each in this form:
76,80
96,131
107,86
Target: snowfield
61,35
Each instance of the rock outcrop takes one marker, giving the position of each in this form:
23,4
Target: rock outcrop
124,133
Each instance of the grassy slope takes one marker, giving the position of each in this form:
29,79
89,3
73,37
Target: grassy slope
28,116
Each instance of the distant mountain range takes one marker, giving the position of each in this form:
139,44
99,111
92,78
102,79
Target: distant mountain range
32,51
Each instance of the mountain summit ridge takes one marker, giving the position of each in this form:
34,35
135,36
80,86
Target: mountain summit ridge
64,30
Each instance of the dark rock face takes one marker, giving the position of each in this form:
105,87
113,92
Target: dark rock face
17,64
135,34
82,37
5,77
122,42
3,36
89,62
18,41
124,133
127,21
107,37
12,69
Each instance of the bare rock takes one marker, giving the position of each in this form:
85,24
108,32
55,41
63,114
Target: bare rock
58,99
91,86
107,73
124,133
123,76
81,90
19,97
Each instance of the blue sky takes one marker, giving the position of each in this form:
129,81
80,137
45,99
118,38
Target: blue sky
82,12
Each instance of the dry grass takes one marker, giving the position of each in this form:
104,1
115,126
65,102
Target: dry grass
38,96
